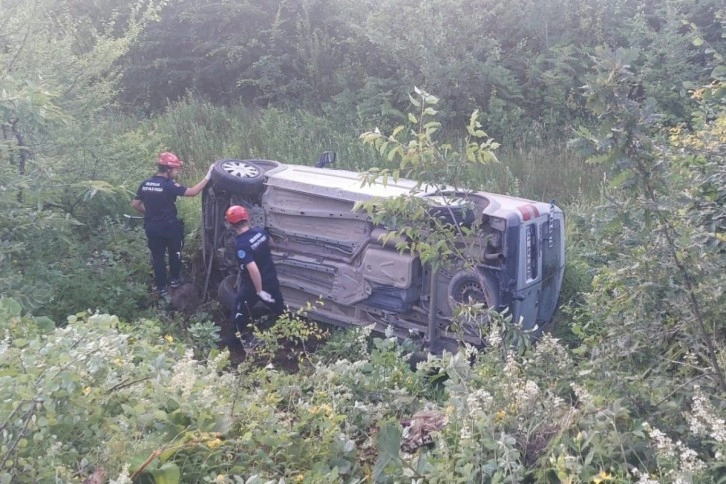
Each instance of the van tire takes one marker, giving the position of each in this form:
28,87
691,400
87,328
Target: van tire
242,177
467,284
452,215
227,292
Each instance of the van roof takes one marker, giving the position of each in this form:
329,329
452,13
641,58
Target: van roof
340,184
348,185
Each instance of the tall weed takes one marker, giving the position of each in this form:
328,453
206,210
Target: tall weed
534,167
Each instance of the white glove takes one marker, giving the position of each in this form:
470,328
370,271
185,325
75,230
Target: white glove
209,173
265,296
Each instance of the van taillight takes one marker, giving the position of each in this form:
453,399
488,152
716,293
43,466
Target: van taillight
531,252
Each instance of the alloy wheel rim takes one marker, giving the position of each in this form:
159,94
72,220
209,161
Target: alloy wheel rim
240,170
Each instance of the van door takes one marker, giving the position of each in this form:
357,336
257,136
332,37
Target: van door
553,264
527,295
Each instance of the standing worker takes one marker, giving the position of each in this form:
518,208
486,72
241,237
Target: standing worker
156,200
259,276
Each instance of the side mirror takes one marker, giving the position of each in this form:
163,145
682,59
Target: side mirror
327,158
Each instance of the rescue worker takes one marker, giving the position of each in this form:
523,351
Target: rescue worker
156,200
259,276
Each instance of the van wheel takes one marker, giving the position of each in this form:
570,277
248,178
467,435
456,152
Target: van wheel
455,214
467,287
227,292
242,177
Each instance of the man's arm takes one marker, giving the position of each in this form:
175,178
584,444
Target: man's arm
255,276
138,205
194,191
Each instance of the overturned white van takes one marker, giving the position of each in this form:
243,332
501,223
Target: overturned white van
325,251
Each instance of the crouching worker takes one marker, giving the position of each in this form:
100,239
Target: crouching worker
258,275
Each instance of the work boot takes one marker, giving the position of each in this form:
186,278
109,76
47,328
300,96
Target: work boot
175,283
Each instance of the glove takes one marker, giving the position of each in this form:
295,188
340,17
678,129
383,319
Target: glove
265,296
209,173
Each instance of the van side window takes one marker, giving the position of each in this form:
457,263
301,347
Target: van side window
531,251
551,256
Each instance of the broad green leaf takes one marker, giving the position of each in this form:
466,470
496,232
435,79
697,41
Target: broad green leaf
168,473
719,73
11,306
45,324
388,444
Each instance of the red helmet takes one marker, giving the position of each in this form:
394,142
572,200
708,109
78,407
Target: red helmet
236,214
169,160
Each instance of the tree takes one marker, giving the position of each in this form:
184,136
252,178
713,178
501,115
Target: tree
659,301
440,169
57,82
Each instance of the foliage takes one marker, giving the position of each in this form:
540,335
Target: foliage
205,337
662,283
638,398
520,62
58,176
126,399
438,170
291,337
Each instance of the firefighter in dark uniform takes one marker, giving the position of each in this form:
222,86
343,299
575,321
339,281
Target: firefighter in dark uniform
259,276
156,200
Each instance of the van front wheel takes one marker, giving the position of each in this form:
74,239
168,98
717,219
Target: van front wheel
241,177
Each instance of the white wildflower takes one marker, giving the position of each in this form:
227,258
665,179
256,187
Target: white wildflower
549,352
663,444
582,394
689,460
703,419
643,478
478,402
526,393
690,359
466,432
511,368
184,374
123,477
470,351
494,338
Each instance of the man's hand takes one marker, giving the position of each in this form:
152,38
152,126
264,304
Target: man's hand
209,172
265,296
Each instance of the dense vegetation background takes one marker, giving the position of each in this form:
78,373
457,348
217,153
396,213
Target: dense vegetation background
615,108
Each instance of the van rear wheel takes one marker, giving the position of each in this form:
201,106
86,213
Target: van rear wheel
227,292
468,287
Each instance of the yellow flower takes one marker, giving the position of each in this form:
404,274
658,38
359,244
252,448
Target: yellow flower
169,338
500,416
86,391
299,478
602,477
213,444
